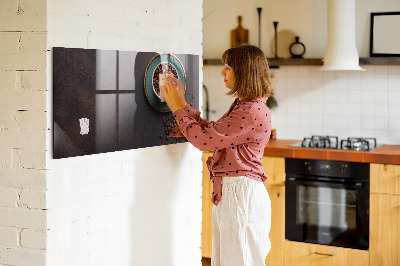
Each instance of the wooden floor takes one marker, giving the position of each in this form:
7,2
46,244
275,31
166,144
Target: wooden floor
206,261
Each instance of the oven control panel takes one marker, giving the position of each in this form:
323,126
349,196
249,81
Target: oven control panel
338,169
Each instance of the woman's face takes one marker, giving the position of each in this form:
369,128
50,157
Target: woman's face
229,76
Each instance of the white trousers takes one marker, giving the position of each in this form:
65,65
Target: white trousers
241,223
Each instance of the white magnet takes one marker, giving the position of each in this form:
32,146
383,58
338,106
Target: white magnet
84,123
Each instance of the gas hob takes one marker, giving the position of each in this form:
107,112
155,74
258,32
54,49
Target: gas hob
332,142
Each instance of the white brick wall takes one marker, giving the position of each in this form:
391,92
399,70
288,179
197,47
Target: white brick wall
121,208
23,218
93,200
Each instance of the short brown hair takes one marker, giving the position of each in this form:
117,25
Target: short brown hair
250,66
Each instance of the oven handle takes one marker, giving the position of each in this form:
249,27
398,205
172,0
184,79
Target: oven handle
324,254
357,185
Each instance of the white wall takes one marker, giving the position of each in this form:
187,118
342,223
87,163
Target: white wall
304,18
23,133
343,104
311,102
136,207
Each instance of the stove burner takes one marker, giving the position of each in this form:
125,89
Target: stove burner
328,142
332,142
358,144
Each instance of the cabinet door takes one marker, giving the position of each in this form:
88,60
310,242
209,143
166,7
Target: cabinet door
206,232
385,178
384,230
277,233
274,168
304,254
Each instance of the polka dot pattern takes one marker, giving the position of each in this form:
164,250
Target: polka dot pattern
238,139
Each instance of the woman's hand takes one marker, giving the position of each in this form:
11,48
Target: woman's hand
174,93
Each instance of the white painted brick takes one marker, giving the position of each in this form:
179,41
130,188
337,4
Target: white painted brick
33,239
16,158
179,7
36,7
31,54
105,10
97,252
114,186
196,38
97,173
33,159
8,6
31,80
34,120
80,227
98,222
7,80
108,42
22,218
128,168
97,190
23,178
8,237
5,158
148,6
33,199
23,100
22,22
190,22
196,10
17,256
79,176
9,42
169,21
35,140
8,197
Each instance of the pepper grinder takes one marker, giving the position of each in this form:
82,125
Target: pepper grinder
259,26
276,38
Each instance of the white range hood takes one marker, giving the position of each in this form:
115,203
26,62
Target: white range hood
341,51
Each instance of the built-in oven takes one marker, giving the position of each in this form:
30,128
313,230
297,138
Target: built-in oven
327,202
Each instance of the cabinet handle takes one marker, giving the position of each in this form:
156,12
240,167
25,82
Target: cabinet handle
324,254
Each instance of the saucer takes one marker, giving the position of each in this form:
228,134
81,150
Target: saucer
158,65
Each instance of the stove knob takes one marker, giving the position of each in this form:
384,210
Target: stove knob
308,166
343,168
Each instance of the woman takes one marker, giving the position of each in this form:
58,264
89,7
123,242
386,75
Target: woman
242,208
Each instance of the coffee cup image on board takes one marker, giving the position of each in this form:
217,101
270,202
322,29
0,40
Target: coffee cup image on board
159,67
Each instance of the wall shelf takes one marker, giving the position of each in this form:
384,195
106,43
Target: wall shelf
380,61
274,63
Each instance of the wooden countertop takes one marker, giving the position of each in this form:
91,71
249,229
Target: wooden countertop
389,154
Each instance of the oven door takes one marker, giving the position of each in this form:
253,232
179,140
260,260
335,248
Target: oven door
327,213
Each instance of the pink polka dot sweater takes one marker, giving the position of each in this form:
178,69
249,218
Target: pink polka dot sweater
238,139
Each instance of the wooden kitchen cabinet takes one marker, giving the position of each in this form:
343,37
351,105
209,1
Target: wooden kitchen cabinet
305,254
206,225
384,237
385,178
274,168
277,233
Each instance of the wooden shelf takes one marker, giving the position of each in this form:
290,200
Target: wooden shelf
274,63
380,61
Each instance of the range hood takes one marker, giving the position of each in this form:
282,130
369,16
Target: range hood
341,51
